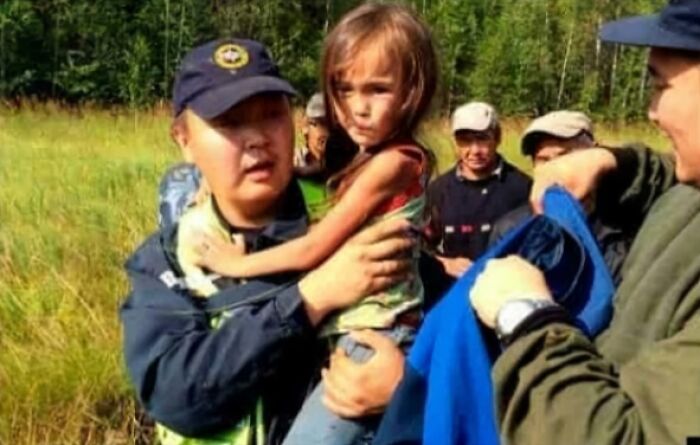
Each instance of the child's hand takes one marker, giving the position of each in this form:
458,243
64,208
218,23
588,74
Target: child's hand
216,254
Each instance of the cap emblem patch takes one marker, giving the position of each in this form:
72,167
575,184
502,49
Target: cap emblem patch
231,56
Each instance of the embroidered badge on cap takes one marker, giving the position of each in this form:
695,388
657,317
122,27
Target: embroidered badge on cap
231,56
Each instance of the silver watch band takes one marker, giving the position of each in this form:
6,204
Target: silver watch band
514,312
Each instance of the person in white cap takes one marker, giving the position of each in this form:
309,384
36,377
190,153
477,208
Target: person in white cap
482,187
557,133
548,137
309,159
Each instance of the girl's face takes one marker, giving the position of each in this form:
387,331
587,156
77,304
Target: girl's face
368,101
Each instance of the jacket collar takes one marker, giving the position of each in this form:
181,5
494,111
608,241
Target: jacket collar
291,222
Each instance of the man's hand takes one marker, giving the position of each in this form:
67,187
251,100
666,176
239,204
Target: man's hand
578,172
504,280
455,267
373,260
360,389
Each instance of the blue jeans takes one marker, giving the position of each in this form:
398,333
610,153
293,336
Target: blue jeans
316,425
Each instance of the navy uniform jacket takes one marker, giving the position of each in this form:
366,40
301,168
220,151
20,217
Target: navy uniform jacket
197,380
463,212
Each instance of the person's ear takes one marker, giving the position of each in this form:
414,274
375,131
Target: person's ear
179,134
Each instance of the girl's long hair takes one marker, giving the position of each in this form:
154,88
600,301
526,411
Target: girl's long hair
398,35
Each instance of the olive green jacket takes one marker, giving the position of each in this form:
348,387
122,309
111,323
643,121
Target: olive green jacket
639,381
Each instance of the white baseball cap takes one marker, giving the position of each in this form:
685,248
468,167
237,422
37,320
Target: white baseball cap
474,116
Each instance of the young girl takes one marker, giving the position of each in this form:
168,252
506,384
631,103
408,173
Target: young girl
379,73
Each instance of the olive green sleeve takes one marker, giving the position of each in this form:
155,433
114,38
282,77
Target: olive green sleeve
552,387
625,195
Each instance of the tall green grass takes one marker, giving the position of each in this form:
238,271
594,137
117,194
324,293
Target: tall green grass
77,194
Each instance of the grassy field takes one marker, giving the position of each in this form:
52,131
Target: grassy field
77,194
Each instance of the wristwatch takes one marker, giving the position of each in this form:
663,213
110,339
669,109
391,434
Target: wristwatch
512,315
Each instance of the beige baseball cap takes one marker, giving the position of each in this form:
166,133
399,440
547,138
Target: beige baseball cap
474,116
315,108
562,124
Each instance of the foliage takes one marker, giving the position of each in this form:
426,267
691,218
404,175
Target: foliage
527,57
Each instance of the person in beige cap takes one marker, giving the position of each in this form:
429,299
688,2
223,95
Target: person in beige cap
482,187
309,159
548,137
557,133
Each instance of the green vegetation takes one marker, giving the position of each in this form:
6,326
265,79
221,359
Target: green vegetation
529,56
78,194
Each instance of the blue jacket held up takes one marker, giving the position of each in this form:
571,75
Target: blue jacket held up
446,395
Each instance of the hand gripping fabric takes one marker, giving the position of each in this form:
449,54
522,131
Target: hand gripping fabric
446,394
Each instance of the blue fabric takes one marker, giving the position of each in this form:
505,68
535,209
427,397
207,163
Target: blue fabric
454,356
176,192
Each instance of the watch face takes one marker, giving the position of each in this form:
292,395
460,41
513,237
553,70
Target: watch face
514,312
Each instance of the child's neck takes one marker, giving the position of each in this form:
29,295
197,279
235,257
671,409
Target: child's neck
366,148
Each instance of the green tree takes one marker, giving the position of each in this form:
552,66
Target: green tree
526,57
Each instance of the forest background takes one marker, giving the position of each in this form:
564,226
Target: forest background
528,56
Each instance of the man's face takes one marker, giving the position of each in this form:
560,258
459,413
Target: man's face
550,147
245,154
368,99
316,133
477,150
675,108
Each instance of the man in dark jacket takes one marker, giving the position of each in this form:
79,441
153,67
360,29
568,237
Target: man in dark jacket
234,366
549,137
637,382
466,201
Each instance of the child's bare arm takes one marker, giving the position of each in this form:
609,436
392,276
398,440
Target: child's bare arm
386,174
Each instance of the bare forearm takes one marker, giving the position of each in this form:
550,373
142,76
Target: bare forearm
300,254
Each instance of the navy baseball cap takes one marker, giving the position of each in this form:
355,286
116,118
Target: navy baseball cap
676,27
218,75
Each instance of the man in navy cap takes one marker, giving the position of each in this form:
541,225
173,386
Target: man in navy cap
637,382
217,360
181,185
